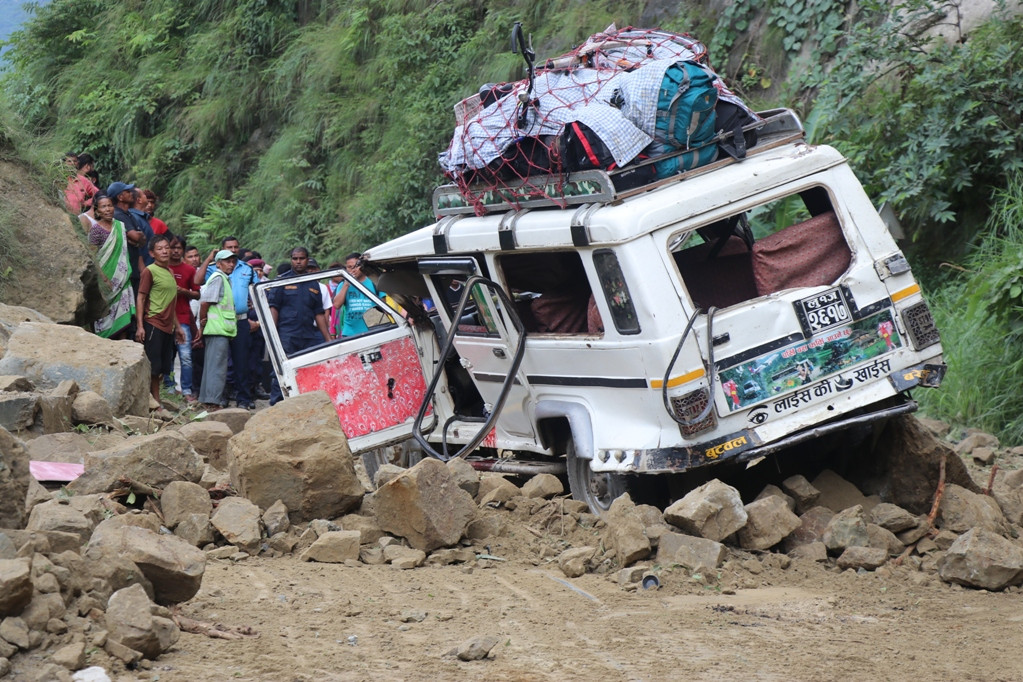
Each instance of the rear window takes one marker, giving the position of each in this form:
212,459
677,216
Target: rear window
794,241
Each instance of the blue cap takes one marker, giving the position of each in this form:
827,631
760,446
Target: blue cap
116,188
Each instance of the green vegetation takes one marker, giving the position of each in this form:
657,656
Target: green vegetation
320,122
980,315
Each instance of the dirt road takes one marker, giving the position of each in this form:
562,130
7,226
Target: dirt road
806,622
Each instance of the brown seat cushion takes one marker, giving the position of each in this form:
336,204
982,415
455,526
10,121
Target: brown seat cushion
722,281
807,254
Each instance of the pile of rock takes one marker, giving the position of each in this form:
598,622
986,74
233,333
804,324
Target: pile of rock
827,520
96,566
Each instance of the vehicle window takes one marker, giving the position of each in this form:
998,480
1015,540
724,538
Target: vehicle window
551,293
794,241
476,319
616,292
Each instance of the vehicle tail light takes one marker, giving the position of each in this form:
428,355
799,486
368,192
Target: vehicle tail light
688,407
920,326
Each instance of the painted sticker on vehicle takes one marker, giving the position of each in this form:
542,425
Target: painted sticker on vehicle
800,364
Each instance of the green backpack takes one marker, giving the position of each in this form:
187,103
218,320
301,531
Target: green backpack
685,119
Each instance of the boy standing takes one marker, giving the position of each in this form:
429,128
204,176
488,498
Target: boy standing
184,275
155,316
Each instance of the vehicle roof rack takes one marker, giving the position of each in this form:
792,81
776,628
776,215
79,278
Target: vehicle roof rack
777,127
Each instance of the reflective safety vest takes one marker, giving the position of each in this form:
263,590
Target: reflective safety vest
220,316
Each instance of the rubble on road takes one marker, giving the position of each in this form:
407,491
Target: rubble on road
88,573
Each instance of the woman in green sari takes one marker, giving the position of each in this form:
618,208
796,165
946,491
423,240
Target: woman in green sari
112,239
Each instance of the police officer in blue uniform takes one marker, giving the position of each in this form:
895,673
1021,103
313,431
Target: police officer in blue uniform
297,310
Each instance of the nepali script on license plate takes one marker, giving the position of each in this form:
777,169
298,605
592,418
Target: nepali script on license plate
823,311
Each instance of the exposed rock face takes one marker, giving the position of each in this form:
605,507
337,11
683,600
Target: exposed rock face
139,624
155,460
296,452
904,465
980,558
51,353
465,476
14,475
713,511
425,506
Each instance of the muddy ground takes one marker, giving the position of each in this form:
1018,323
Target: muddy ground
759,617
806,622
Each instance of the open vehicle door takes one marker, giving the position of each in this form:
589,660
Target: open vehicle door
374,379
488,338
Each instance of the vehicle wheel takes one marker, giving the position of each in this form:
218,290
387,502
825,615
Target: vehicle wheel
597,489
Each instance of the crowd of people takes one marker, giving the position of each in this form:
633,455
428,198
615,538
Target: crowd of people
159,291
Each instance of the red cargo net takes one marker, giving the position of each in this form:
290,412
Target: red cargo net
508,136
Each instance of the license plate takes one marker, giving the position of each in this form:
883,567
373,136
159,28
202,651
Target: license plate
823,311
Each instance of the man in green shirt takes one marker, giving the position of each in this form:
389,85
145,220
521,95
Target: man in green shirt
156,319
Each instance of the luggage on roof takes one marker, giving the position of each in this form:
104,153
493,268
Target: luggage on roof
647,96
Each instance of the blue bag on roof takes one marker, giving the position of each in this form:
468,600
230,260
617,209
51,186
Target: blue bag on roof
685,118
672,101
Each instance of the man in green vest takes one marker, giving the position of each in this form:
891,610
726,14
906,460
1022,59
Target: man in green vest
216,329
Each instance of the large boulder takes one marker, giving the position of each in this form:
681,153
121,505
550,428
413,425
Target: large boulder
173,566
15,586
425,506
960,510
713,511
904,466
155,460
12,317
297,453
139,624
51,353
14,480
70,446
980,558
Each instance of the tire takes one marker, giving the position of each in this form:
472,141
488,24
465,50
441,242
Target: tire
597,489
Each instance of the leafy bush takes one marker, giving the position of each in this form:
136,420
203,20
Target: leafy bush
934,126
980,314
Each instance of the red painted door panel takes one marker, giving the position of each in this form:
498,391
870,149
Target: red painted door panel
373,389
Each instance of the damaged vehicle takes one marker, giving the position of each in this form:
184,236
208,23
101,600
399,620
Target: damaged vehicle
719,315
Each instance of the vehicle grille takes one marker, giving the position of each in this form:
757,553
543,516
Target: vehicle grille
688,407
920,326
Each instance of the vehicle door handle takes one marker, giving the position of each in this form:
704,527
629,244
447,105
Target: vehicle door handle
372,356
722,338
499,352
